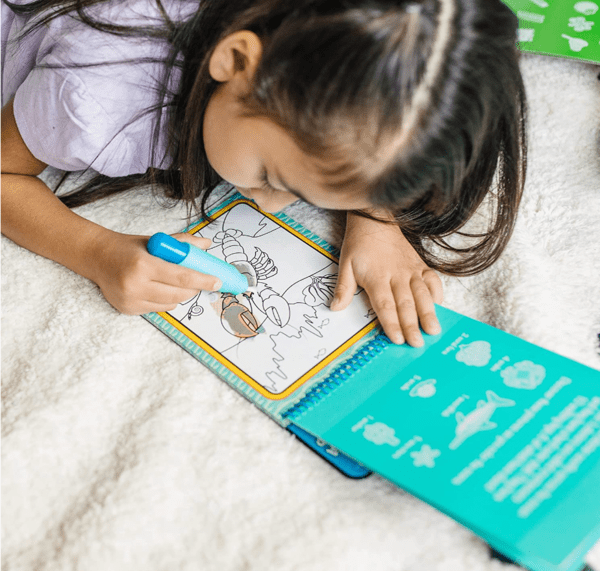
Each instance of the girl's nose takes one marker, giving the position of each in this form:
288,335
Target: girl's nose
269,201
275,201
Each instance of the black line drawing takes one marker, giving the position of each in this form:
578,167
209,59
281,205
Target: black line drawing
285,315
237,317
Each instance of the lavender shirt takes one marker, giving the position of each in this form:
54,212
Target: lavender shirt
76,118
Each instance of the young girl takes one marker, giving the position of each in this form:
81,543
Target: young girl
405,114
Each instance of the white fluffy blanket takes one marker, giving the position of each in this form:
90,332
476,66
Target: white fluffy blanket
121,452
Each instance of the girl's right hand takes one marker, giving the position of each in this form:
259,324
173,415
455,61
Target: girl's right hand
130,278
135,282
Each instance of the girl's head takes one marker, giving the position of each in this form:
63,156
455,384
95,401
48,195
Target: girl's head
411,106
415,106
262,158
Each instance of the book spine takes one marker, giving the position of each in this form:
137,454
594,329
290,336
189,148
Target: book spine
338,376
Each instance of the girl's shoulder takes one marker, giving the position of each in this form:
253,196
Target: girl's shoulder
123,12
69,40
142,13
82,95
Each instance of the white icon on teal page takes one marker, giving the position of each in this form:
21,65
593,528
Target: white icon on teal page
406,446
586,8
479,419
576,44
580,24
425,457
380,433
475,354
454,405
424,389
361,423
523,375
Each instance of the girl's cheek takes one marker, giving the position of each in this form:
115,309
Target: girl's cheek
244,192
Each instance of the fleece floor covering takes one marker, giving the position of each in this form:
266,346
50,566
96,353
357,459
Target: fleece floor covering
121,452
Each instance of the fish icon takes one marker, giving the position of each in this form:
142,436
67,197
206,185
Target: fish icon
478,419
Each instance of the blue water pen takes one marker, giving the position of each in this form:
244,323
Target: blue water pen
168,248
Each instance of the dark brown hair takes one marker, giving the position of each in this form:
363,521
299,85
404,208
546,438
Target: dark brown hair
419,104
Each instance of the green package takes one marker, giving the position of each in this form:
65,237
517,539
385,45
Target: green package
559,28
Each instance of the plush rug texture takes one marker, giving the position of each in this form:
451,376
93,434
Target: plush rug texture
122,452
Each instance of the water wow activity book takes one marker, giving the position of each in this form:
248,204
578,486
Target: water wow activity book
501,435
565,28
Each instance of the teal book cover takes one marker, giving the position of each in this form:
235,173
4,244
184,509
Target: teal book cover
561,28
501,435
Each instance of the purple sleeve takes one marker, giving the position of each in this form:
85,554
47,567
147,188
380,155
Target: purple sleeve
65,126
95,116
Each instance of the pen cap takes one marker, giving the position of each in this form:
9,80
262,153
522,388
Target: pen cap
168,248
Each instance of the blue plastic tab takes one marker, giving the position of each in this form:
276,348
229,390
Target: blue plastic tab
339,460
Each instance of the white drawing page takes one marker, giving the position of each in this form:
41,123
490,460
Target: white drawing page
284,329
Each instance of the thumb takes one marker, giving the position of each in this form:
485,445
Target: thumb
344,289
202,243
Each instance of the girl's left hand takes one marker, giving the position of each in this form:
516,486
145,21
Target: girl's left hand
401,288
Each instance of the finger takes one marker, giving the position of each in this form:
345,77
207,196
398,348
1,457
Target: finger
384,305
162,294
345,288
197,241
182,278
425,307
408,317
435,286
147,307
407,314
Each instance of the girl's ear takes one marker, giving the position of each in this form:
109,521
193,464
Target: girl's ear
236,56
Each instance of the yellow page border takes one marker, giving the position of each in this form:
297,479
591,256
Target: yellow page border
226,362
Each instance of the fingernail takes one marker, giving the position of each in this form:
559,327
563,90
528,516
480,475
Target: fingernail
217,285
398,339
435,328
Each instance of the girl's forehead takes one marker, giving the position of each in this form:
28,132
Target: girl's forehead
315,180
336,171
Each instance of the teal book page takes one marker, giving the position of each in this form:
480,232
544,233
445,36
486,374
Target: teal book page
562,28
498,433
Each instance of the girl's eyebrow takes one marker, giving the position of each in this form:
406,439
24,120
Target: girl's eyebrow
284,184
287,187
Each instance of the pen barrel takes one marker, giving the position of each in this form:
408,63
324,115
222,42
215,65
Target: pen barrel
184,254
233,281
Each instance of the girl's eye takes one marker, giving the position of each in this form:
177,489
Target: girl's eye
264,179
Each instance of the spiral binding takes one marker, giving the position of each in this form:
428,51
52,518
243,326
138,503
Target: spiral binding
338,376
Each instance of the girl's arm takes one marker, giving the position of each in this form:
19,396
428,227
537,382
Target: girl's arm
401,288
132,280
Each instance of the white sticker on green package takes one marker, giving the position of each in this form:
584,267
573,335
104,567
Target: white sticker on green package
560,28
